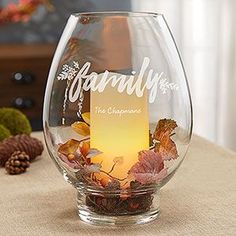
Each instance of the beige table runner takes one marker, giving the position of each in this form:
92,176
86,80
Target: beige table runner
199,200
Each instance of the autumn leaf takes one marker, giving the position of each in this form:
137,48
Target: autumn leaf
93,152
69,147
84,148
93,168
164,128
76,156
87,170
72,165
75,166
149,168
86,117
67,154
87,152
165,146
81,128
167,149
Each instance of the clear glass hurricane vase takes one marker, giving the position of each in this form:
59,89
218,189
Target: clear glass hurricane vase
117,113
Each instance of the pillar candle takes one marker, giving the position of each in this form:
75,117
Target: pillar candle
119,128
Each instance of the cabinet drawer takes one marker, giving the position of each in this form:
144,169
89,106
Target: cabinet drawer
23,75
13,85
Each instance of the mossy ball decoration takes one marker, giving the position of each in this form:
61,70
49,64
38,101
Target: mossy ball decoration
4,133
15,121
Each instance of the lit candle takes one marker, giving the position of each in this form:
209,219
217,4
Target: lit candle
119,128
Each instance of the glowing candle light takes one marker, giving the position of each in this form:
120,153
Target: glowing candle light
119,128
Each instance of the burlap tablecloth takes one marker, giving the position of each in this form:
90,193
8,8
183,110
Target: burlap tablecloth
199,200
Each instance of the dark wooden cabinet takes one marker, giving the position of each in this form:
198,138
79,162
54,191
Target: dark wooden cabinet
23,75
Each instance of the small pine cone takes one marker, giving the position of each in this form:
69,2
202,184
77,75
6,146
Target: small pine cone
7,147
22,142
17,163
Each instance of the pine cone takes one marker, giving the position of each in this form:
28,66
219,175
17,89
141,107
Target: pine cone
22,142
17,163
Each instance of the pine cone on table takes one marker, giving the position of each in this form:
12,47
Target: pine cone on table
22,142
17,163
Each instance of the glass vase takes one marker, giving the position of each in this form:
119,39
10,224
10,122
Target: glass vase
117,113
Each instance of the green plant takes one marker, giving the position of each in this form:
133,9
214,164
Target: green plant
15,121
4,132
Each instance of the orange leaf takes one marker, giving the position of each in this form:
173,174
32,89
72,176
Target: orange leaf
164,127
81,128
86,117
69,147
84,149
166,147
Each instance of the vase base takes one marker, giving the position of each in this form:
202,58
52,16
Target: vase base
96,219
108,209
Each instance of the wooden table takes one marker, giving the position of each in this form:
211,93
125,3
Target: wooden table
199,200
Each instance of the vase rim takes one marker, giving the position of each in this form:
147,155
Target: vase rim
117,13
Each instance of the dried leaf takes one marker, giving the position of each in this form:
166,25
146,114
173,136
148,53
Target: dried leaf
69,147
72,165
84,153
86,117
149,168
93,168
164,128
81,128
76,156
166,147
93,152
84,148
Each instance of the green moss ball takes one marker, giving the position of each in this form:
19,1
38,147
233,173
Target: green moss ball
15,121
4,133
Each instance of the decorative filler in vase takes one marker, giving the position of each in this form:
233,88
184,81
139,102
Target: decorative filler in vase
117,113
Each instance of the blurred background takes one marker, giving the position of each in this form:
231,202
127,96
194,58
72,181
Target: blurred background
205,32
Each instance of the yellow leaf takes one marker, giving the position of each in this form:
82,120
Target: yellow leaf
84,149
86,117
69,147
81,128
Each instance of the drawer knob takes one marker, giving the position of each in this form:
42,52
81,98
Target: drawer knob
23,103
23,78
